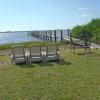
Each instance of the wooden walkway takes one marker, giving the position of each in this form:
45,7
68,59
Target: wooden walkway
81,43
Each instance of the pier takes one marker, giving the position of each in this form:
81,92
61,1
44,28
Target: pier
64,35
52,35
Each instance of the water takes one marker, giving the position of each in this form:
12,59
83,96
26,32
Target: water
16,37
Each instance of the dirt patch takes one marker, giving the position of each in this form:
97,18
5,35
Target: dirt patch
2,63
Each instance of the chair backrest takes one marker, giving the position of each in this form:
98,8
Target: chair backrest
18,51
51,49
35,50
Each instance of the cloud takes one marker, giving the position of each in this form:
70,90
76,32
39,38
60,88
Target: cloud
85,15
82,8
84,12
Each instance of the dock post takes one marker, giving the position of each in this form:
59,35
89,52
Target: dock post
61,36
46,34
68,33
74,47
35,33
55,38
51,36
38,34
71,42
42,34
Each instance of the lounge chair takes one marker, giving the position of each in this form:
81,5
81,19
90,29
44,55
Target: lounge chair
52,52
35,54
18,54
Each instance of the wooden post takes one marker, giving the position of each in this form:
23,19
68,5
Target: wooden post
43,35
71,42
50,35
55,38
38,34
35,33
61,36
89,45
46,34
68,33
74,47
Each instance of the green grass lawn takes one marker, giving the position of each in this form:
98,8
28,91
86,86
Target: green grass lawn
76,77
25,44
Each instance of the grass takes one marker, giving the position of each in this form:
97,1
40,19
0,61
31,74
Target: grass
77,77
26,44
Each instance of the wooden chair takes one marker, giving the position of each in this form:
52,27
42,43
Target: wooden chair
18,54
35,53
52,52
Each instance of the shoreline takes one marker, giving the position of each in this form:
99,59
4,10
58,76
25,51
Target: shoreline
27,44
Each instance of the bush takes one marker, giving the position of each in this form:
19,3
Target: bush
89,31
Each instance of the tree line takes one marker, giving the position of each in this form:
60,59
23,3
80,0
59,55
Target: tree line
89,31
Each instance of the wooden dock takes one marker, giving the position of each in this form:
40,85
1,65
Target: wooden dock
51,35
59,35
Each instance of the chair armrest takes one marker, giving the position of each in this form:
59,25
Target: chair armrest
12,56
27,53
58,51
43,53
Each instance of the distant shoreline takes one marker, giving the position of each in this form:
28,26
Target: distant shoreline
14,31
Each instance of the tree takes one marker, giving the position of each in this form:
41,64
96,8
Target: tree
89,31
81,32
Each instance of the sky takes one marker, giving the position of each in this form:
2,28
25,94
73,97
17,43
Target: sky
23,15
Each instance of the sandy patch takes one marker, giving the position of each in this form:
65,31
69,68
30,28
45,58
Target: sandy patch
2,63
